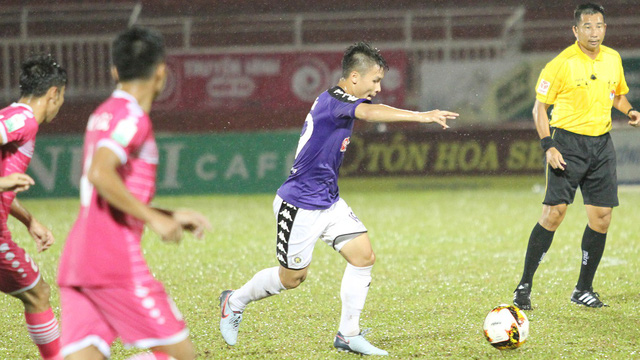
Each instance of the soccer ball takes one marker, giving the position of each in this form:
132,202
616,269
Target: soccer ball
506,327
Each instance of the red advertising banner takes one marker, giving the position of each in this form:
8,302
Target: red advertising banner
265,81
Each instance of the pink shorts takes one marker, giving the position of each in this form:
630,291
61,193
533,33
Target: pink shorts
18,272
142,316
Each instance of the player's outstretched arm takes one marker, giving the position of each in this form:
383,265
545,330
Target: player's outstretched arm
104,177
40,233
385,113
16,182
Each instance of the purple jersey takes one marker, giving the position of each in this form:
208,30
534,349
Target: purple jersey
313,183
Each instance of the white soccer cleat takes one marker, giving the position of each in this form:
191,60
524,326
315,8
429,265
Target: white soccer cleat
229,319
357,344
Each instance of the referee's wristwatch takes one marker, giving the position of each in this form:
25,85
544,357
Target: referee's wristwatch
630,110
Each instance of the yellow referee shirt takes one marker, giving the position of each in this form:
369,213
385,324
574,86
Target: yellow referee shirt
582,89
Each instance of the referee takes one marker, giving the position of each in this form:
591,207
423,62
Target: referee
582,83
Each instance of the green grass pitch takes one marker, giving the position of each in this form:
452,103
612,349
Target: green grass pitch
448,250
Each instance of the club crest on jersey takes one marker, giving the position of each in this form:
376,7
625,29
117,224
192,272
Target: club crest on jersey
612,94
543,88
345,143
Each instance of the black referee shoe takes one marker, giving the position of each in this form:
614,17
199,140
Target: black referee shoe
522,297
587,298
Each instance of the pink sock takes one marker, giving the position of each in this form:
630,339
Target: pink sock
43,330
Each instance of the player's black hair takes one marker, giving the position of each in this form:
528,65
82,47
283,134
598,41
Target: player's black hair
40,73
587,9
361,57
136,53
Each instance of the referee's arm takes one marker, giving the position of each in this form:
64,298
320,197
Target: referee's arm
541,119
621,103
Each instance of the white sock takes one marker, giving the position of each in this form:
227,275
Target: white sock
353,292
263,284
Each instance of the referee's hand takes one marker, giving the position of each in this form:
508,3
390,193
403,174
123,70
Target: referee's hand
635,118
554,158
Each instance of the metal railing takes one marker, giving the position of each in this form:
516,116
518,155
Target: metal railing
86,56
449,32
26,18
434,35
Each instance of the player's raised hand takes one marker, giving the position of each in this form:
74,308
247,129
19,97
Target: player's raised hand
164,225
41,234
192,221
555,159
16,182
440,117
634,117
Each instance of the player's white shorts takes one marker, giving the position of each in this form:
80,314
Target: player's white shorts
299,229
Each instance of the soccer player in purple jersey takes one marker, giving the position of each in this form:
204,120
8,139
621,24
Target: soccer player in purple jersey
308,205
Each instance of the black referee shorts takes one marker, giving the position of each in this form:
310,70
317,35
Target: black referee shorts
591,164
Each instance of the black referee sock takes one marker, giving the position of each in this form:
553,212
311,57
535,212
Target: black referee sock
539,242
592,249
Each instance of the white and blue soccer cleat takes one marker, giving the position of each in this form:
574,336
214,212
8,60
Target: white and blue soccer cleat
229,319
357,344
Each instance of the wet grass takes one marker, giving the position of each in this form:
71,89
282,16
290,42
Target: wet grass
448,250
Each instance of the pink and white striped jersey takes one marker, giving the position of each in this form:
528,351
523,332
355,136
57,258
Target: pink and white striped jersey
103,247
18,131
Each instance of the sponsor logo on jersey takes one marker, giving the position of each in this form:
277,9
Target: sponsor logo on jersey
99,122
125,131
344,96
612,94
345,143
16,122
543,88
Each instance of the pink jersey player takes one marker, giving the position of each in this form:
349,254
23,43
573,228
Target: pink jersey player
18,129
42,86
103,247
106,288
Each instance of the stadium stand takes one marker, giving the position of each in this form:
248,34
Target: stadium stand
79,32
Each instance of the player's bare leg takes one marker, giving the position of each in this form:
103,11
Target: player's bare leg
181,351
36,299
88,353
599,218
552,216
292,278
353,292
593,243
41,323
